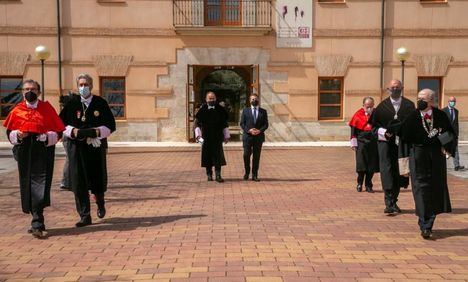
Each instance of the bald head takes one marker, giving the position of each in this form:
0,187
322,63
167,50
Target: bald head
452,101
395,88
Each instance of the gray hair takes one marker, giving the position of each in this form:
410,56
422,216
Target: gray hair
32,81
429,92
86,76
368,98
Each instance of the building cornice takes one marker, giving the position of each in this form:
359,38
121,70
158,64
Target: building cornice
237,31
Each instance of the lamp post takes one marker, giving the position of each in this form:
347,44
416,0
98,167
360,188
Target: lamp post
42,54
403,55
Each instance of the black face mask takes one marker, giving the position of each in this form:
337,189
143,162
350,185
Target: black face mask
422,105
211,103
395,93
254,103
30,96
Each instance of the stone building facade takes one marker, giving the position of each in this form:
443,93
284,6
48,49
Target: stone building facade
153,66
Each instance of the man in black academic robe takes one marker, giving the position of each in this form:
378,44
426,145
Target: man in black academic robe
33,127
89,121
364,143
386,123
211,129
430,135
254,122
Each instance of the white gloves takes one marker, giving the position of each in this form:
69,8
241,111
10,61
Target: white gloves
95,142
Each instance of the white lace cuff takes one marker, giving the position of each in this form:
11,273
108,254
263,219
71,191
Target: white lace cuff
381,134
13,137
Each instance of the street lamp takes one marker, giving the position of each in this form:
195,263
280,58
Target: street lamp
42,54
403,55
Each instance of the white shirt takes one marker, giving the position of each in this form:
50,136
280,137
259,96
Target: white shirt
254,113
32,105
87,101
396,103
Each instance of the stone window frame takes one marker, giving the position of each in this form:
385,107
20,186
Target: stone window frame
440,80
19,77
433,1
123,91
324,92
332,1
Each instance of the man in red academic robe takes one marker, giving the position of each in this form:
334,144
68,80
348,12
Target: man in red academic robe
34,127
364,143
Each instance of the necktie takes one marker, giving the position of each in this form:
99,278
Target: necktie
452,114
427,116
211,107
255,115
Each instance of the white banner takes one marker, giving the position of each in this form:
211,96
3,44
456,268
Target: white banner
294,23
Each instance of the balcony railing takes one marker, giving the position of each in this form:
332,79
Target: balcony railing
222,13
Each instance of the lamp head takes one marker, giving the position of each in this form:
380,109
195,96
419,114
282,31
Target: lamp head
402,54
42,53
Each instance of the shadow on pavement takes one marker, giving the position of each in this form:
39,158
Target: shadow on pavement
119,224
447,233
459,211
116,200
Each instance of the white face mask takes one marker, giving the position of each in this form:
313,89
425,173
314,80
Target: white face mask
84,91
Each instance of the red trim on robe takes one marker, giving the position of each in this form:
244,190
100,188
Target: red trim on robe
40,120
360,120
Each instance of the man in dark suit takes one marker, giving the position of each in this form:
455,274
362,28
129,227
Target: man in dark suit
386,123
254,122
452,114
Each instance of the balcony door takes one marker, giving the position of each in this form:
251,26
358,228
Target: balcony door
223,12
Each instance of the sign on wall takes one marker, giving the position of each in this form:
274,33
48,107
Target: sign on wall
294,23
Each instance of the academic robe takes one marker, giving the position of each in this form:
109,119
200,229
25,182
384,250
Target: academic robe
212,123
35,159
428,166
367,156
87,164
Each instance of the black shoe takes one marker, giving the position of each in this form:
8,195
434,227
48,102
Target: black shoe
255,178
396,208
31,229
246,177
426,234
389,210
84,221
101,211
457,168
209,177
64,188
369,189
37,233
359,188
219,179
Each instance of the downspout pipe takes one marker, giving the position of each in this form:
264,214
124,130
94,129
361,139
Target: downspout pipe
59,47
382,47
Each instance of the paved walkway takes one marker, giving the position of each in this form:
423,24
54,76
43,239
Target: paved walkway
303,222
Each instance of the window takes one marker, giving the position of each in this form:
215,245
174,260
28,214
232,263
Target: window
223,12
113,90
10,93
330,98
433,83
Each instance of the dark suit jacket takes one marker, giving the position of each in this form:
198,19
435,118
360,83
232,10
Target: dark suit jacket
247,123
453,122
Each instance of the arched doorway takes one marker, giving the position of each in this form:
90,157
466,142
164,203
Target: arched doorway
232,85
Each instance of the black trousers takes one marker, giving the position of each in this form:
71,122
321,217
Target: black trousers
252,146
367,175
426,223
389,173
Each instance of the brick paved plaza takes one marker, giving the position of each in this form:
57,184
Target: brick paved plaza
303,222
